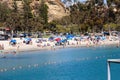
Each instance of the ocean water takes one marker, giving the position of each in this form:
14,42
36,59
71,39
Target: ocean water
61,64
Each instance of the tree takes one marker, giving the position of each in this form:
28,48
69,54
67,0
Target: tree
4,12
27,15
37,24
43,11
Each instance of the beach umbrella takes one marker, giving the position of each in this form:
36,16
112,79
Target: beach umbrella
103,37
69,36
24,40
13,40
65,40
27,39
51,38
57,39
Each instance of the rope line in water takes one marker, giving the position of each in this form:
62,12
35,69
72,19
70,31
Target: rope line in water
60,62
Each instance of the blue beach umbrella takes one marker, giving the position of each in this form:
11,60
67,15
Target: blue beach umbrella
27,39
103,38
51,38
69,36
65,40
13,40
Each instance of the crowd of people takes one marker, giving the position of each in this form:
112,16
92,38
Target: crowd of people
15,45
66,40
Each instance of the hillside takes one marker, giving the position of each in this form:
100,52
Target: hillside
56,9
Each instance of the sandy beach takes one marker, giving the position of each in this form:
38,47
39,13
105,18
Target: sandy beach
20,46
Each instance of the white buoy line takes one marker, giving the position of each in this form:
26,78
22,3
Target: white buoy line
58,62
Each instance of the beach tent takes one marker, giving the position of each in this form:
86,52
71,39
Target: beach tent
13,41
27,40
70,36
51,38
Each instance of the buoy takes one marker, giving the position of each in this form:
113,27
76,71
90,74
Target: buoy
83,58
49,63
96,57
20,67
13,68
36,64
87,58
1,70
5,69
29,66
45,63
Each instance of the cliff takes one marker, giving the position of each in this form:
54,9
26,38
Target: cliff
56,9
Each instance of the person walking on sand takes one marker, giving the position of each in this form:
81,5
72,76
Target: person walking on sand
18,48
2,46
53,46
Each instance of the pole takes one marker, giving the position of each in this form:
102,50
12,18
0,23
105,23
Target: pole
108,67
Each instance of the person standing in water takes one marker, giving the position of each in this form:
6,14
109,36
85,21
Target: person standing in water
118,39
2,50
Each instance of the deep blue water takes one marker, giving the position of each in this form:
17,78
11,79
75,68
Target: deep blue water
62,64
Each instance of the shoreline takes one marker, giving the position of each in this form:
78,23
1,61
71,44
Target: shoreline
21,47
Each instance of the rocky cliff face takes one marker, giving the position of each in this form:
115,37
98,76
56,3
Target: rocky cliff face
56,9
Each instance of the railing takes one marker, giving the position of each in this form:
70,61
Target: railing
108,66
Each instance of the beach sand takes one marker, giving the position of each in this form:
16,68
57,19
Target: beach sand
20,46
